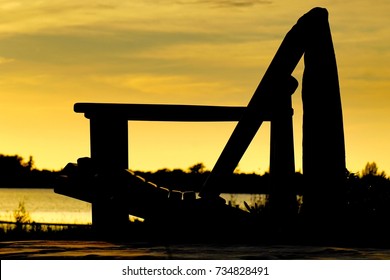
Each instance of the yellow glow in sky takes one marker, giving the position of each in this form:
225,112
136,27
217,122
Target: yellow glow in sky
56,53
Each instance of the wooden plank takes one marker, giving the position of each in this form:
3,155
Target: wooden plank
161,112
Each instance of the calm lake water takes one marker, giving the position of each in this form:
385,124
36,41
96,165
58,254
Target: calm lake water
44,205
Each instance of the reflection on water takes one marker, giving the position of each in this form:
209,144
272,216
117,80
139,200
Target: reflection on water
44,205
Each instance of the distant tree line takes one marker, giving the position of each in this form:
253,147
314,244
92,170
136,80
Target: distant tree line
15,172
368,187
194,177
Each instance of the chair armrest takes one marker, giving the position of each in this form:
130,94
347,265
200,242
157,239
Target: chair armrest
160,112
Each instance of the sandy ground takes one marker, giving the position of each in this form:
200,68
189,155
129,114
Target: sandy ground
43,249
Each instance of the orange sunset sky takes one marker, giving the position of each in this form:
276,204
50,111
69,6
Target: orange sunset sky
56,53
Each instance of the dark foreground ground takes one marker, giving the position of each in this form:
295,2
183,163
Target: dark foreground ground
139,241
66,249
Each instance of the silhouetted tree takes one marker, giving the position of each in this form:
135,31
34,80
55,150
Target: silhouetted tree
197,168
30,164
372,170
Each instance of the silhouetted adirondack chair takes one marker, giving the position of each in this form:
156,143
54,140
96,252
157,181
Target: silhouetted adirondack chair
323,139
